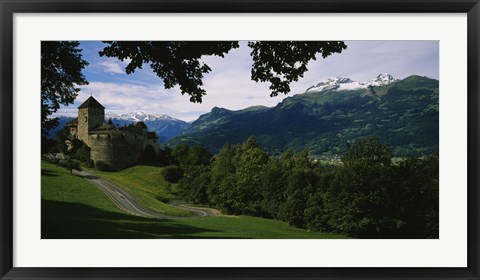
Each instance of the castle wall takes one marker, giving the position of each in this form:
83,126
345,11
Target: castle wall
102,149
116,150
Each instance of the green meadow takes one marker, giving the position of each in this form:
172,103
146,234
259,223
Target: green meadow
74,208
147,184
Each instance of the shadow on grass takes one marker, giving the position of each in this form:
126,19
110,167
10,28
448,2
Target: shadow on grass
90,177
64,220
49,173
154,164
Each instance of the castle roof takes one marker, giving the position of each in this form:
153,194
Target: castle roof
91,103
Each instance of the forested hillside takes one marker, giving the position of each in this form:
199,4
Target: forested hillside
403,114
366,196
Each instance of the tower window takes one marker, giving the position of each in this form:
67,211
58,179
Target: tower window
85,118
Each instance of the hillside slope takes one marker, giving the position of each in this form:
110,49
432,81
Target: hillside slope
403,113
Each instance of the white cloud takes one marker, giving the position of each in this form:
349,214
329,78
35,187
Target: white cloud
110,65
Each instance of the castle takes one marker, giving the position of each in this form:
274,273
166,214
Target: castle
119,147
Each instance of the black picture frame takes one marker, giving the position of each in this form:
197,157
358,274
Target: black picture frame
10,7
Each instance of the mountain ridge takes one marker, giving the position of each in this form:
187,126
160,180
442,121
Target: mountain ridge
403,113
136,116
341,83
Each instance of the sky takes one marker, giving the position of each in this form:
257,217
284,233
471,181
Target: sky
229,84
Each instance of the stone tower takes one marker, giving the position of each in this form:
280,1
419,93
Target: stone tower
91,114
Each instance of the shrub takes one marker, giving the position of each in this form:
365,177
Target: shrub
82,153
173,173
70,165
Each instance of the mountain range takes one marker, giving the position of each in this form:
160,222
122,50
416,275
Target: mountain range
330,116
338,83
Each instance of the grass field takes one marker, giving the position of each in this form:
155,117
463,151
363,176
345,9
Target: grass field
148,185
74,208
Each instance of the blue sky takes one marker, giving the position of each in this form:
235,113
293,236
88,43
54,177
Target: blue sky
228,85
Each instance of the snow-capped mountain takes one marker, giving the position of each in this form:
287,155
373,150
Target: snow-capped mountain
338,83
138,116
165,126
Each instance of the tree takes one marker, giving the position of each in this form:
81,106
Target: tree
281,62
199,156
417,196
223,179
250,165
178,62
172,173
195,183
368,151
70,166
273,187
300,182
180,153
61,71
360,201
48,146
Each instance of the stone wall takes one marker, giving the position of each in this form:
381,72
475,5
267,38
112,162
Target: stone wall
117,150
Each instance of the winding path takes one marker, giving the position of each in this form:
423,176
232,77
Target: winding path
130,204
